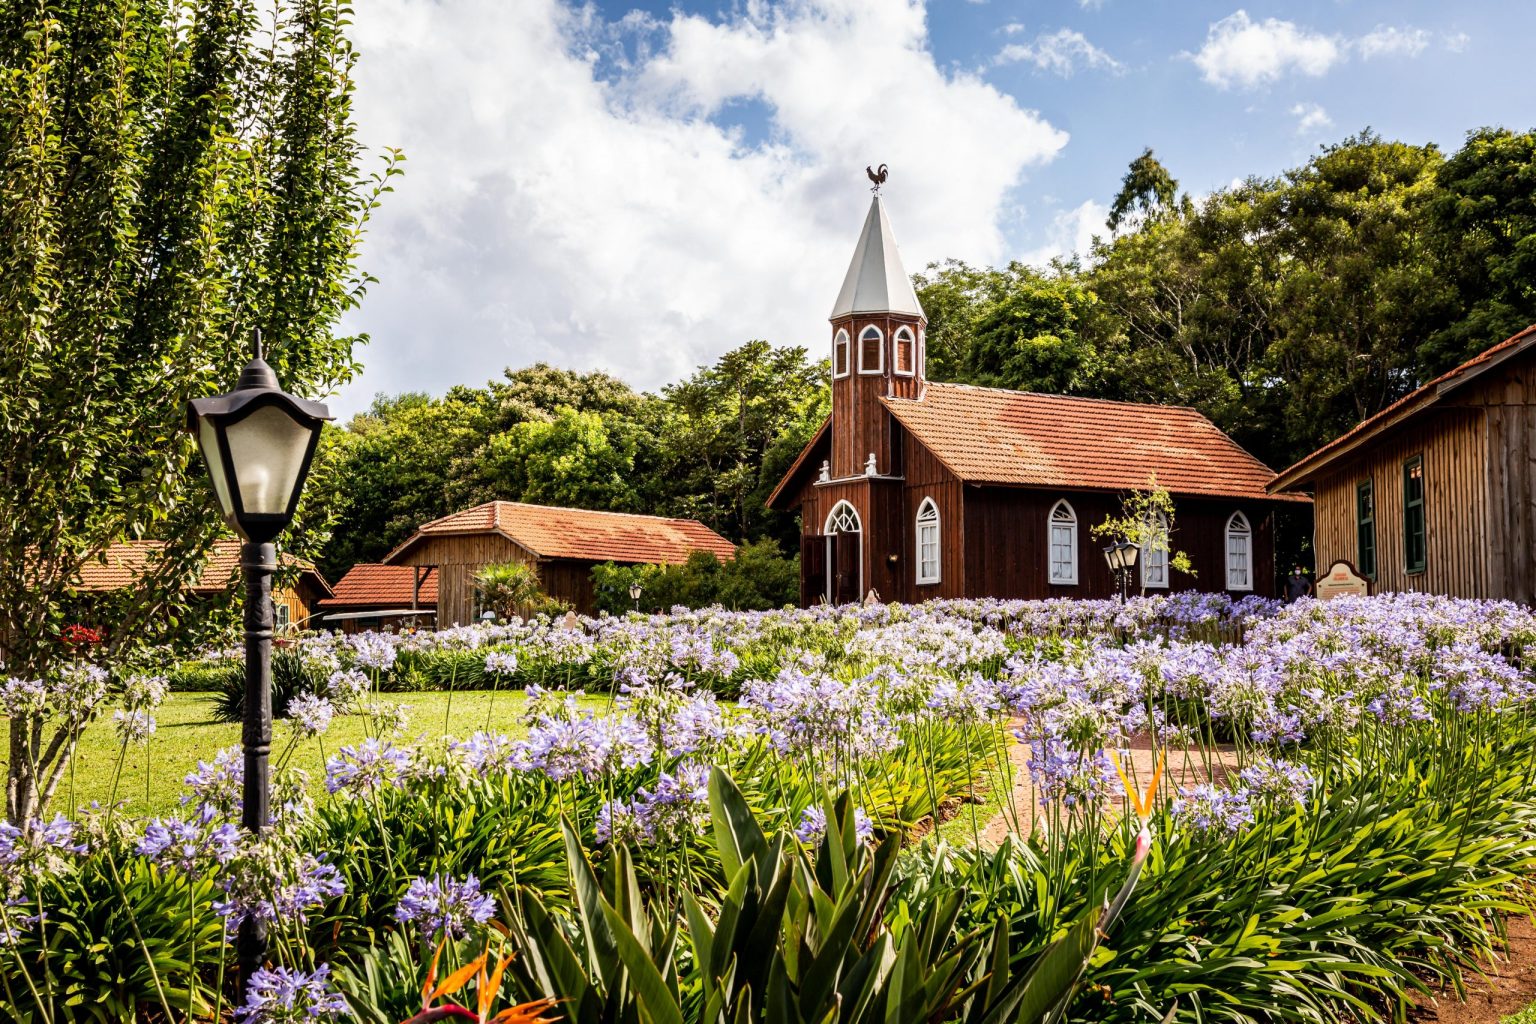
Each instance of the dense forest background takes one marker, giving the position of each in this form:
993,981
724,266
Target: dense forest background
1286,309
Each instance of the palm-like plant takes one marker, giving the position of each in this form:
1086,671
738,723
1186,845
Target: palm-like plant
509,586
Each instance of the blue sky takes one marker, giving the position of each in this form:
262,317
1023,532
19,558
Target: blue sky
640,188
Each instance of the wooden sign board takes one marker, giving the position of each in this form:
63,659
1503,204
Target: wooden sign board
1341,579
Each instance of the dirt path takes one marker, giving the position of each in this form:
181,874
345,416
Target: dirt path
1509,987
1184,768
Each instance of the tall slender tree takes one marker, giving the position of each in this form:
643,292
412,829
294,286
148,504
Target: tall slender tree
173,176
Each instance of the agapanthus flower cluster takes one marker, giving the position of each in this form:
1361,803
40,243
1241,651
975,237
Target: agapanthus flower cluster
288,995
820,717
813,825
1276,779
1209,808
310,715
190,846
346,688
219,783
41,848
367,767
443,905
501,663
372,651
1063,774
269,882
135,726
584,746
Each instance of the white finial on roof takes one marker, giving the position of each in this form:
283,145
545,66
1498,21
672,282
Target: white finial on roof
876,280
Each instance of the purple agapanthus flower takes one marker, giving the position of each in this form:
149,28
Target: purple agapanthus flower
190,847
441,904
367,767
287,995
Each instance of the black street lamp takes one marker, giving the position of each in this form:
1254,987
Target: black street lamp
1121,557
635,590
257,443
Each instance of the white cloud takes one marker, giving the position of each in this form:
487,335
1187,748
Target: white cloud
1062,51
1243,52
553,211
1456,42
1391,41
1071,233
1090,5
1310,118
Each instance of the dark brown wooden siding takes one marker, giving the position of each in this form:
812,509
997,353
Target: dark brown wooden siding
926,477
1009,539
860,424
1454,444
458,559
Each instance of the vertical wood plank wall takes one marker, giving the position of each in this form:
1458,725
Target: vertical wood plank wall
860,424
1454,444
458,560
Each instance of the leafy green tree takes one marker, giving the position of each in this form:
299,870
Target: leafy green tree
389,470
172,177
1147,192
719,425
1482,222
758,578
579,459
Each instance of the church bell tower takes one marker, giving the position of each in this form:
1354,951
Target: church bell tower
877,349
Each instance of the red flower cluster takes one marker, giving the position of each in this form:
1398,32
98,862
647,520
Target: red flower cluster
80,636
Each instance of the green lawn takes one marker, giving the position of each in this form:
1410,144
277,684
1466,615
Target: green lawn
186,732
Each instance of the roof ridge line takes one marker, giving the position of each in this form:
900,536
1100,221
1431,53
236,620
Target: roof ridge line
1048,394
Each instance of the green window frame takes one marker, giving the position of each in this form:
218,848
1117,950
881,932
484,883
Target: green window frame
1365,528
1415,555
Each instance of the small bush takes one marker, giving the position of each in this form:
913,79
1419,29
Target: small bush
757,579
291,676
206,676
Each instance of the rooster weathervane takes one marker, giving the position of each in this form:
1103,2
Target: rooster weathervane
878,177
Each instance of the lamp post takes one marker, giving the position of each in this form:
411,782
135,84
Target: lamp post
257,443
635,590
1121,557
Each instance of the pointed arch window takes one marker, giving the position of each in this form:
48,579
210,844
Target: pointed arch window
844,518
871,350
929,566
840,354
904,352
1062,527
1154,558
1239,553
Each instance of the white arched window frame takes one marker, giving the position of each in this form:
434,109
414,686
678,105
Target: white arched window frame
1061,527
841,359
868,334
929,539
1154,562
843,518
1239,553
904,353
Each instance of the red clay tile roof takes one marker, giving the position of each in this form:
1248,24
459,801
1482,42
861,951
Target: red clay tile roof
551,532
386,586
124,562
1403,409
987,435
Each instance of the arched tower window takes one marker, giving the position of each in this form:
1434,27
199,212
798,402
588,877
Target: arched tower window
904,354
840,354
871,350
1062,526
1154,558
1239,553
929,567
843,518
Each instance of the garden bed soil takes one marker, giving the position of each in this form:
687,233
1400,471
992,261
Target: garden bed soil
1508,986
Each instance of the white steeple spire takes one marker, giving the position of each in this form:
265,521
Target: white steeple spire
876,281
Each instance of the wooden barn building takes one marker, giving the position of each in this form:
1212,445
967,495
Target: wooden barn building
562,543
1437,492
916,489
295,595
375,596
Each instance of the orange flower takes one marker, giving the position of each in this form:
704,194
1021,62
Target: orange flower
1141,804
